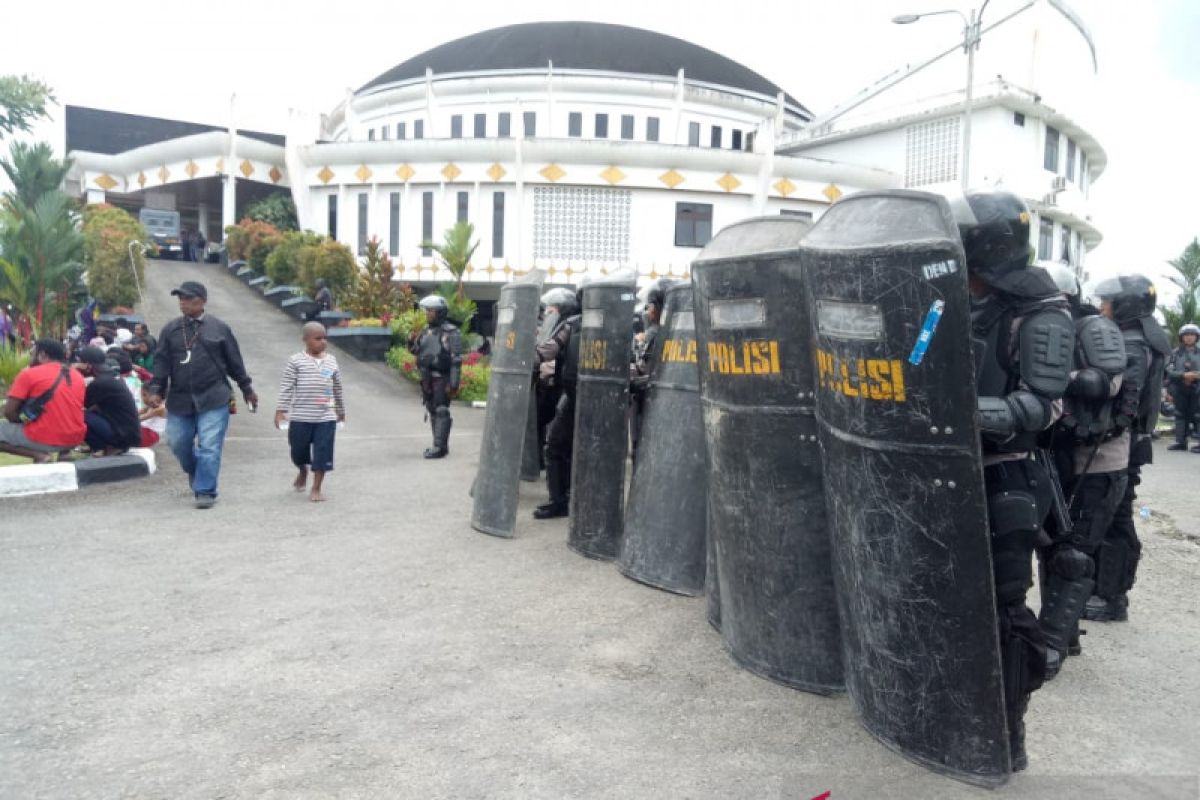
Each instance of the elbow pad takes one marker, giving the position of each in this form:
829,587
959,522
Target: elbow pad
1089,384
1001,418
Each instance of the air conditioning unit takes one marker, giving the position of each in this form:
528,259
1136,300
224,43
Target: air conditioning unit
1060,183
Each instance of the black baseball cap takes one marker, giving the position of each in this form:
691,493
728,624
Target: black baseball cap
191,289
92,355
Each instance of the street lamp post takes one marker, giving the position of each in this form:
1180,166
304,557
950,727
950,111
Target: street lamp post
970,45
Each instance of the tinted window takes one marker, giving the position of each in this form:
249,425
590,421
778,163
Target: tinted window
401,130
362,223
694,134
456,126
693,224
627,126
480,126
419,129
1050,160
426,221
575,124
498,225
504,124
394,223
332,219
714,139
602,126
530,118
651,129
462,207
736,137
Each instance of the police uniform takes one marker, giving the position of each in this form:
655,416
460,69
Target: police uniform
1023,338
1186,395
562,348
641,366
438,349
1132,299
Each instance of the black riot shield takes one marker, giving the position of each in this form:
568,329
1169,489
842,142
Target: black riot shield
497,481
896,403
666,518
601,435
531,459
778,614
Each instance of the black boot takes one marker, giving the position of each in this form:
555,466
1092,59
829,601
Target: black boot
1115,609
441,434
551,511
1178,445
558,482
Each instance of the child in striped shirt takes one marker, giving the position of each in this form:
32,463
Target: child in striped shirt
310,407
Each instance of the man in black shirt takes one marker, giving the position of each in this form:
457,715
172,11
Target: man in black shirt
195,354
109,411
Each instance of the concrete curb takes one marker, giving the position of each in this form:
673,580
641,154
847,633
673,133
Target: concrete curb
30,479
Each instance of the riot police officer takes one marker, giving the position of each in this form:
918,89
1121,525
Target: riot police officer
1183,375
1023,339
562,348
438,348
1129,301
643,362
1090,445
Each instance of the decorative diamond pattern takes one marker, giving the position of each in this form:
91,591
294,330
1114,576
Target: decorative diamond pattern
362,173
496,172
784,186
832,192
163,174
325,175
275,174
106,182
220,165
142,179
191,169
451,171
405,172
613,175
552,172
581,223
728,182
246,168
671,178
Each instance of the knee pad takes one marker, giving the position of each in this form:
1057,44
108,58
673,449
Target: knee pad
1023,651
1070,564
1014,521
442,411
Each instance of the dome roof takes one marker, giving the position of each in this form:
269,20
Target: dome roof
583,46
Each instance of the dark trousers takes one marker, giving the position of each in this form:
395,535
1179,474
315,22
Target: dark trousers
560,444
1121,550
100,433
436,395
1187,407
1019,498
547,403
312,444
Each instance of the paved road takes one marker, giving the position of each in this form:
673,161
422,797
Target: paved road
375,646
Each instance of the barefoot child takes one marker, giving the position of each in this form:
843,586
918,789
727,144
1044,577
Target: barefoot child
311,405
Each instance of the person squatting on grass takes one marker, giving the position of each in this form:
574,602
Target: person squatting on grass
310,407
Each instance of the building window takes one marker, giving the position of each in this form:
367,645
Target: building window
749,141
530,122
394,223
1083,171
462,207
693,224
1018,119
602,126
371,135
736,135
456,126
480,126
385,132
791,212
1050,159
931,152
627,126
419,129
1071,160
575,124
426,222
714,138
332,220
1064,244
401,130
694,134
651,129
1045,240
504,124
498,225
362,223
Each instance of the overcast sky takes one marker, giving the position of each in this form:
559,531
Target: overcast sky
184,60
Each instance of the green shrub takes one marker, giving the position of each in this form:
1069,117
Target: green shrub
241,240
398,358
107,234
405,324
277,210
462,309
330,260
375,292
283,265
12,361
473,385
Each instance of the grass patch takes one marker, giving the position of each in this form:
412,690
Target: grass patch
9,460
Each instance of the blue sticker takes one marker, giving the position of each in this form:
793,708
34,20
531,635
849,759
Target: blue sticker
927,329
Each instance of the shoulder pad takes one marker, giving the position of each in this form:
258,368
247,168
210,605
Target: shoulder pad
1098,344
1156,337
1047,339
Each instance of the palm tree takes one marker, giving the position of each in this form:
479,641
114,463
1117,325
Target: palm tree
1188,280
33,170
44,246
455,251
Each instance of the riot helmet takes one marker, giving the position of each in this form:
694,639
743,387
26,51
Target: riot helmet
1191,328
564,298
437,304
994,226
1132,297
1064,278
